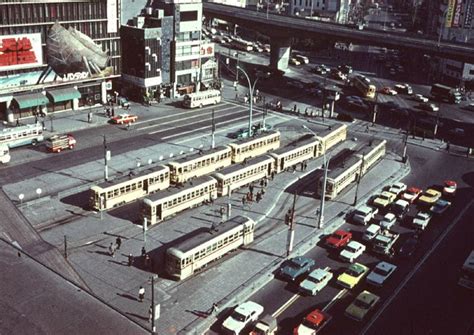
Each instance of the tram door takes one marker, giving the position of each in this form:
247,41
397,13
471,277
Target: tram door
159,212
146,185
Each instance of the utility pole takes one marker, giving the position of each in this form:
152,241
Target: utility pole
291,229
375,110
359,177
153,326
405,143
323,192
145,228
264,113
65,247
106,158
229,205
213,140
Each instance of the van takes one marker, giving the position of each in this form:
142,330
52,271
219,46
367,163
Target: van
371,232
364,214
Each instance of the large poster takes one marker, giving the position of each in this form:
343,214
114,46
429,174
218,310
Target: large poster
20,51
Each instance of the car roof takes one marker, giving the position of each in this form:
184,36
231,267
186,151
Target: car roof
248,306
318,273
373,228
402,202
385,265
301,260
354,243
389,216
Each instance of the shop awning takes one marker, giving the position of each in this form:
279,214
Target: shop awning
31,100
64,94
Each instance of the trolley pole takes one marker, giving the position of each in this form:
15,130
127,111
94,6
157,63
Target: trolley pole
358,180
291,229
106,168
323,192
213,138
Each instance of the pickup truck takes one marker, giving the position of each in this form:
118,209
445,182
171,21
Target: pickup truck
384,242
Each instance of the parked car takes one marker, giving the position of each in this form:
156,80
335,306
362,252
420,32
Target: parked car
404,88
364,214
267,325
430,107
384,199
351,251
124,118
319,70
430,196
242,316
381,273
371,232
397,188
421,220
312,323
316,281
420,98
296,267
123,102
352,275
362,305
338,239
388,91
440,206
388,221
411,194
450,187
400,208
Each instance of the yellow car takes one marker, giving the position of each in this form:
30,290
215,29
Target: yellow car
429,197
352,275
385,199
362,305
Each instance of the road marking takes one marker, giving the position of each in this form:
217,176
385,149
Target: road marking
285,305
336,297
415,269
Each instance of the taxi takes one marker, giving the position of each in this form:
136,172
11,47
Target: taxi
124,118
384,199
352,275
450,187
312,323
430,196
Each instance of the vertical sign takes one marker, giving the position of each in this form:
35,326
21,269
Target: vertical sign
468,15
457,14
111,16
448,21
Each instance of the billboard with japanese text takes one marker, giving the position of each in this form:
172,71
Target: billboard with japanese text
20,51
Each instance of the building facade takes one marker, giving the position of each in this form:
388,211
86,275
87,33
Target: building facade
327,10
57,54
187,62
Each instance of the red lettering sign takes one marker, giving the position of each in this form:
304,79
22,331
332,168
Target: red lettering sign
16,51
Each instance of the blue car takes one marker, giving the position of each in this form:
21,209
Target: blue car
440,206
296,267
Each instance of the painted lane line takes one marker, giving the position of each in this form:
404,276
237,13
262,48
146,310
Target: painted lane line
174,121
286,305
415,269
336,297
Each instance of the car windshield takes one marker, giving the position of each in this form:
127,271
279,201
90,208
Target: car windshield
384,197
361,304
337,236
238,316
309,324
295,265
351,249
381,271
354,271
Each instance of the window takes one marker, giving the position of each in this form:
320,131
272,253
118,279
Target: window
188,16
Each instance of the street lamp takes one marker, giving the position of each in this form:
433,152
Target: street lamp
251,89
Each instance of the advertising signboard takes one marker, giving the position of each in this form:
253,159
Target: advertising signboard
448,22
20,51
457,14
207,49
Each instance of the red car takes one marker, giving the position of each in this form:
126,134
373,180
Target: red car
312,323
124,118
338,239
411,194
450,187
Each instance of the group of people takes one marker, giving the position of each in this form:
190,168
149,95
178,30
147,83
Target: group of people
249,196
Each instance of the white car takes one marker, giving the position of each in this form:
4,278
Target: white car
316,281
421,220
398,188
364,214
371,232
243,314
352,250
381,273
388,221
420,98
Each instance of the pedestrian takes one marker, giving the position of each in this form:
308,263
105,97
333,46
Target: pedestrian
43,125
107,112
150,313
214,309
367,128
265,182
143,251
130,259
36,118
262,183
17,122
262,192
251,188
141,294
118,241
243,200
112,249
113,112
272,174
258,197
147,261
294,108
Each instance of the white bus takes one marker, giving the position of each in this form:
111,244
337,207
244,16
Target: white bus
203,98
467,272
205,246
22,135
363,85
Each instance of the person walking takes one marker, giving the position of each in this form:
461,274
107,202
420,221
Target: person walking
147,261
214,309
141,294
244,199
118,241
143,251
112,249
17,122
130,259
150,313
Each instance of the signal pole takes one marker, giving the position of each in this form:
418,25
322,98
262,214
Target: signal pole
358,180
291,229
106,158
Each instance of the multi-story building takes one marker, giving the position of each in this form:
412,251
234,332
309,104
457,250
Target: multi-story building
187,61
331,10
56,54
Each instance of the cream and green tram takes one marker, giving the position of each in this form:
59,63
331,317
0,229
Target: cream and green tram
200,164
255,146
125,189
240,174
173,200
372,153
341,177
332,136
207,245
295,153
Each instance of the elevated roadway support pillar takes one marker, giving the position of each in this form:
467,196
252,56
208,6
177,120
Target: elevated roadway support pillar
280,52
